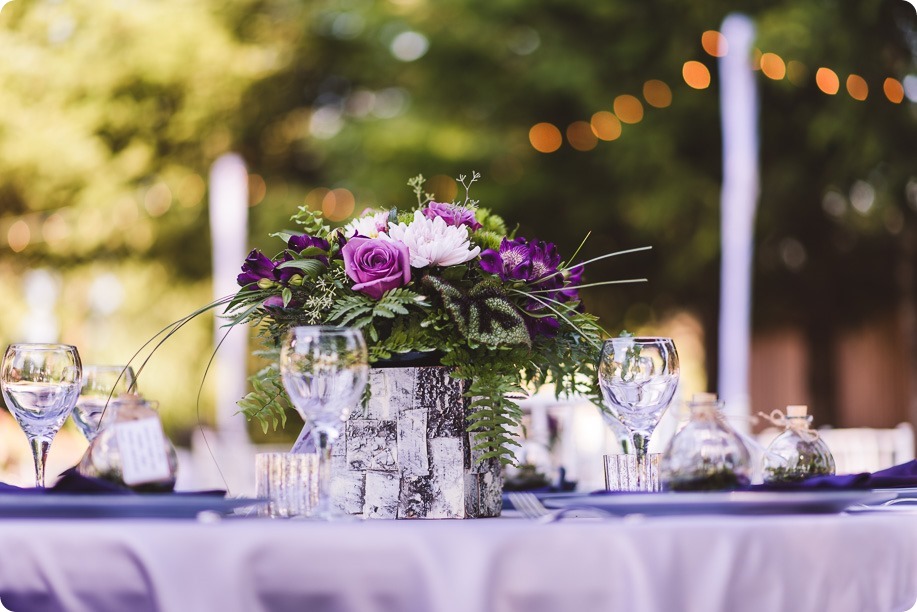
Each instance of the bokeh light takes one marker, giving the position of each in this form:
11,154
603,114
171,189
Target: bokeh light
606,126
338,204
628,109
772,66
827,81
257,189
409,46
656,93
190,190
894,90
696,75
19,235
580,136
796,72
857,87
545,137
55,230
444,188
314,199
910,87
714,43
158,199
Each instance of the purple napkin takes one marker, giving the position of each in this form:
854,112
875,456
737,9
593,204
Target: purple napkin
895,477
70,482
73,483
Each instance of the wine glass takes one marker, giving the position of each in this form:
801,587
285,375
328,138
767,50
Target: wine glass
638,377
324,371
40,384
102,386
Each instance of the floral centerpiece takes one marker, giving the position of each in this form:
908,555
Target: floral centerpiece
440,282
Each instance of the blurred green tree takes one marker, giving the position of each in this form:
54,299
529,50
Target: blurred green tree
114,112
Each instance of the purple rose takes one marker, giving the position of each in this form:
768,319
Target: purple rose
257,266
376,265
452,214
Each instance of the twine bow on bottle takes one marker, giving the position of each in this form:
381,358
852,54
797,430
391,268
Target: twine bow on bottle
798,424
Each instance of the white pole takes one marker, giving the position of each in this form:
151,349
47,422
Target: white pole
739,111
229,237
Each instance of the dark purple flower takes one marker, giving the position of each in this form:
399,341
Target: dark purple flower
283,275
542,326
304,241
572,279
452,214
536,263
376,265
522,260
275,301
257,266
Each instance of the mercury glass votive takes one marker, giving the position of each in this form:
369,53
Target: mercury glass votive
623,473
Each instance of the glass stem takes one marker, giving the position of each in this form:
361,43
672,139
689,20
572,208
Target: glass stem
641,443
323,443
40,446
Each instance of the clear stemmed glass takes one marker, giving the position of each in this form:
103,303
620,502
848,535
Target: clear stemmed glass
102,386
324,371
40,384
638,377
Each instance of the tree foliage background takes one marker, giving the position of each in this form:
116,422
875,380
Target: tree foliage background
113,112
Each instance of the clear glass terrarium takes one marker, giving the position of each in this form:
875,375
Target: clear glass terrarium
707,454
797,453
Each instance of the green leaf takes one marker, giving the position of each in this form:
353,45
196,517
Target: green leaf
284,235
484,316
455,273
312,252
310,267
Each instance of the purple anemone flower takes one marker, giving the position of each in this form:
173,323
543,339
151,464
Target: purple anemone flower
536,263
520,259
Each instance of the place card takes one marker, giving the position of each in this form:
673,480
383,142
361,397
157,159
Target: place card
143,454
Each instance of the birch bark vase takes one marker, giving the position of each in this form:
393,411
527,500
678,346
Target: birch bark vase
407,454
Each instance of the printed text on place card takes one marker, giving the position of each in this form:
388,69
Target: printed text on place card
143,455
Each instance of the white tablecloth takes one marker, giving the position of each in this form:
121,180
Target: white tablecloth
834,563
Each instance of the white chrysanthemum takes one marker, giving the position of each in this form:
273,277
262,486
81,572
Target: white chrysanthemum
432,242
369,226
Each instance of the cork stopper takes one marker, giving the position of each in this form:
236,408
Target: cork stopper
797,411
703,398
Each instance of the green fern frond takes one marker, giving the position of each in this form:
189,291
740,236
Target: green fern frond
267,402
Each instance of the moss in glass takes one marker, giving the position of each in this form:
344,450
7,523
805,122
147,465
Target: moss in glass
798,452
707,454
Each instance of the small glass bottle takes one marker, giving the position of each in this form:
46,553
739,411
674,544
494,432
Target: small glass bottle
707,454
103,458
797,453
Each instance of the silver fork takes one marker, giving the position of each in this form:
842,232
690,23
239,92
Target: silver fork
529,505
